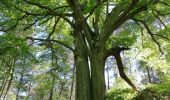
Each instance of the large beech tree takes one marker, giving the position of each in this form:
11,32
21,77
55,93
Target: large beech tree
92,24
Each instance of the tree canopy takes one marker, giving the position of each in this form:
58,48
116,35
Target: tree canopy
60,42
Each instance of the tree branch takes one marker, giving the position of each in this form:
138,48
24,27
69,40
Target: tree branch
160,21
82,28
114,50
62,15
150,33
15,25
121,71
118,15
54,27
50,40
51,11
36,20
161,14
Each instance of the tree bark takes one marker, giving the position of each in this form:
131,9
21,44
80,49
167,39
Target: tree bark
97,74
83,86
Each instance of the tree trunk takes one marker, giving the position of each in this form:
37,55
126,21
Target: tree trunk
97,75
19,87
83,87
52,89
72,83
107,69
149,76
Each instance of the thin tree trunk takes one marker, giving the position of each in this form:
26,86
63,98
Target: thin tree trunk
11,78
4,85
9,83
52,89
20,82
72,83
149,76
61,90
153,76
107,69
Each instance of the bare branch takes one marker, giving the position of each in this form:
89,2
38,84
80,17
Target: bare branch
36,20
161,21
162,36
150,33
50,40
51,11
54,27
15,25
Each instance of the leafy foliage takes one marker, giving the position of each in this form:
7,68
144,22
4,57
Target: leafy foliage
121,94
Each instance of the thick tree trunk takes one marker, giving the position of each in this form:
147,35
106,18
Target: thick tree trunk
97,75
83,85
89,88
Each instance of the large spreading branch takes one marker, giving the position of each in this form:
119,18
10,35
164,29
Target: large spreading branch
121,71
82,29
116,53
117,17
114,50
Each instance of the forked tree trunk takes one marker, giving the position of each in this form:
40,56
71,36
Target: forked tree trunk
90,83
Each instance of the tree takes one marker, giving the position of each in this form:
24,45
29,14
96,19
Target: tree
91,24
